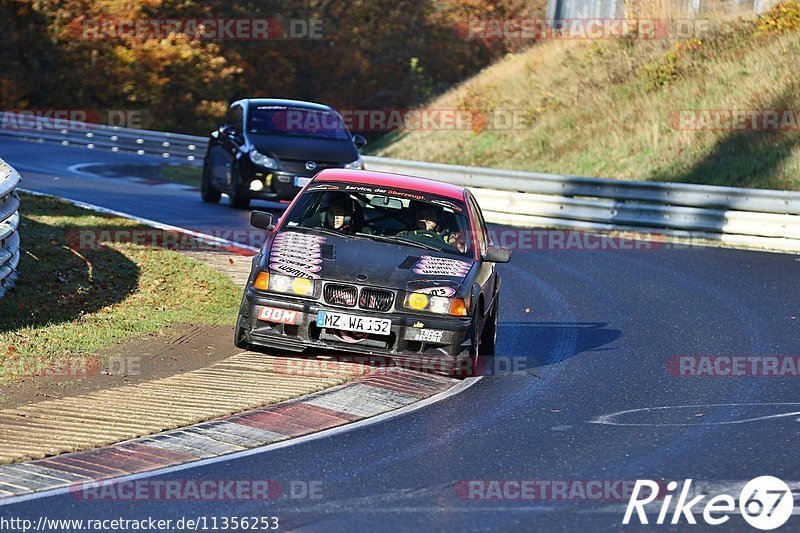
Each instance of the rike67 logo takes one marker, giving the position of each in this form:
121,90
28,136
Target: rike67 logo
766,503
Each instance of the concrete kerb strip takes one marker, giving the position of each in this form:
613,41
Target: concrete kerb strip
234,435
58,426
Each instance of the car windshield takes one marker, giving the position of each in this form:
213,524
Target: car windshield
404,217
296,121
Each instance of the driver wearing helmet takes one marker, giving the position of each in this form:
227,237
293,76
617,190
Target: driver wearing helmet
427,218
337,212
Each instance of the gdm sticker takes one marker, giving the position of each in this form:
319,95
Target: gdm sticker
299,239
290,270
281,256
295,242
298,265
441,266
296,254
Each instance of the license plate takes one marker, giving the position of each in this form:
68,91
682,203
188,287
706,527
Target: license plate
300,181
363,324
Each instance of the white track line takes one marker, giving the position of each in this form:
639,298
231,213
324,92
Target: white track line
203,237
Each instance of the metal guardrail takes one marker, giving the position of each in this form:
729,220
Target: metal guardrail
770,218
9,221
68,133
760,217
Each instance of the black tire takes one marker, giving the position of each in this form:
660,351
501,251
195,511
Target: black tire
207,190
467,365
489,335
238,196
239,337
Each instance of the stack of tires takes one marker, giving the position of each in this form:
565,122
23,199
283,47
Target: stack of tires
9,221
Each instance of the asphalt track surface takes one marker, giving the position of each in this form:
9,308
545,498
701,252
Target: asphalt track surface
591,332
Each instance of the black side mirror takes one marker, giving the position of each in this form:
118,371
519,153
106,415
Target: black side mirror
360,141
496,254
231,131
261,220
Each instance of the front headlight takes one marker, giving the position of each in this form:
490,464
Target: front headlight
291,285
358,164
418,301
262,160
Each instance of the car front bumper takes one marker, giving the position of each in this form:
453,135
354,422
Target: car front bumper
413,339
278,185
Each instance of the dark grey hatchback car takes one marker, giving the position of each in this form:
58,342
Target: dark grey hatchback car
269,149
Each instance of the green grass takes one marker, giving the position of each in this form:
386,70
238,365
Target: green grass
603,109
70,302
187,175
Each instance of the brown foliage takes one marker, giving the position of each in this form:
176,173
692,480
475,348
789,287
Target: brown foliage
373,54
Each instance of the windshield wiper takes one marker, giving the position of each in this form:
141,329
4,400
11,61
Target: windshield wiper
329,231
419,244
402,240
384,238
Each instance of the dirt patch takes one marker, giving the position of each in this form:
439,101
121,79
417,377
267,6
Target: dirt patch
182,348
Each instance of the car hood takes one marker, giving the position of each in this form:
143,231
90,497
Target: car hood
367,262
305,148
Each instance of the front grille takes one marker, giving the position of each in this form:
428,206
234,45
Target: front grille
376,299
345,295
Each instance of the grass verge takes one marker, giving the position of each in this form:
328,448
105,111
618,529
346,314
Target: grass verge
186,175
73,300
614,108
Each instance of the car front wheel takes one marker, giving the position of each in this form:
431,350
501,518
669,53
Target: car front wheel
489,335
207,190
240,337
238,196
467,364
